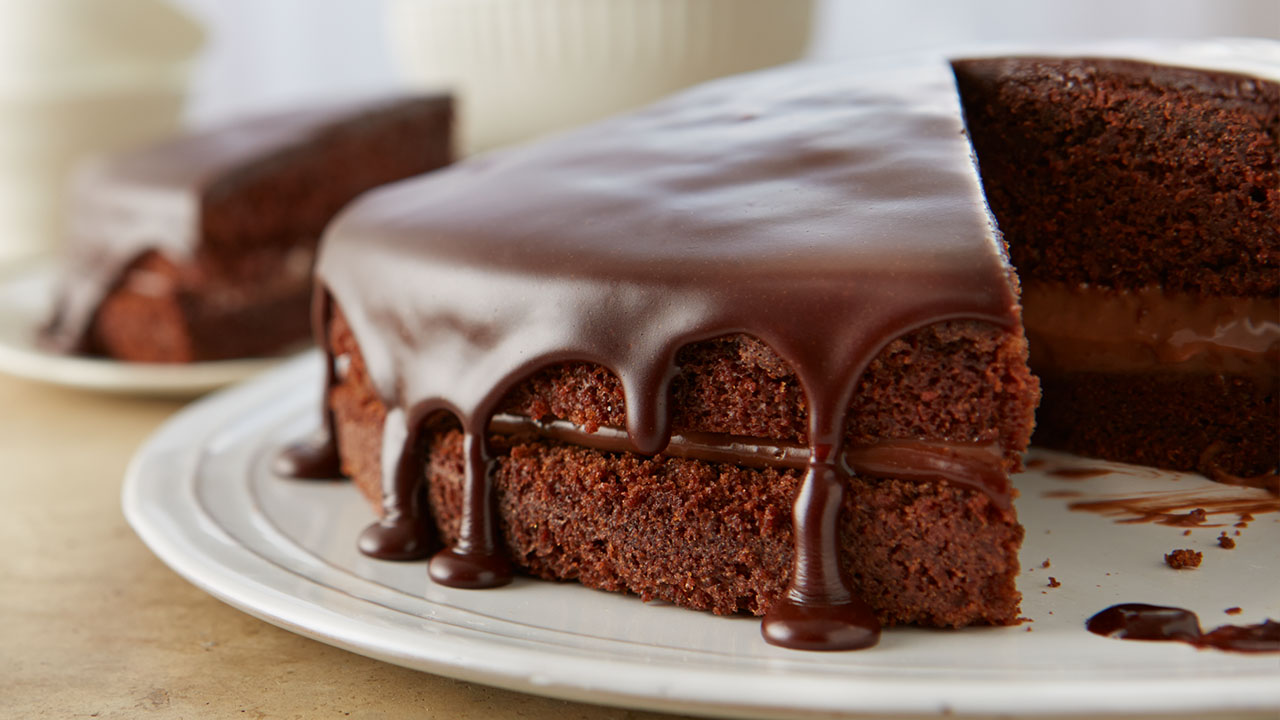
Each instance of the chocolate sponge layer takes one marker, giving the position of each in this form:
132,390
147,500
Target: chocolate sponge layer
1210,424
1128,175
716,536
712,536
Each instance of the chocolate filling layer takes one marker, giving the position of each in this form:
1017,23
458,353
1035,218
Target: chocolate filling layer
1094,329
977,466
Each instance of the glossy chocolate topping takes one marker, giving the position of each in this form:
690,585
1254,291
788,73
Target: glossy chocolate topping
823,211
152,198
1139,621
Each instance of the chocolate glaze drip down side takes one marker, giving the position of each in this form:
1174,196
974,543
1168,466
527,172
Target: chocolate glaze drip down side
824,211
316,457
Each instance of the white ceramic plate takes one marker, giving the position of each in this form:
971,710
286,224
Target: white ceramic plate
201,495
26,296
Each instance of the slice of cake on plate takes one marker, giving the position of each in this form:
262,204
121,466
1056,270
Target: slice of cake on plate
201,247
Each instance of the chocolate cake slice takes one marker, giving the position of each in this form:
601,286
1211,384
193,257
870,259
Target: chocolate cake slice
754,349
201,247
1141,205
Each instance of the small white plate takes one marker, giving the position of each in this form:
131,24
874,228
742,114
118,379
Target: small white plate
26,298
201,494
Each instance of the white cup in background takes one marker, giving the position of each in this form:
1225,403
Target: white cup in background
523,68
78,78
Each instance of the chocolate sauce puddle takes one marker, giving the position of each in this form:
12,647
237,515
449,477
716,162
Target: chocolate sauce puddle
313,458
1138,621
1181,509
719,214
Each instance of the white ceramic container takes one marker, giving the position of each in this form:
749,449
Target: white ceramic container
79,77
527,67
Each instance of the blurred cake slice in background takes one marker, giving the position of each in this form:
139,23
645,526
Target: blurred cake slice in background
200,247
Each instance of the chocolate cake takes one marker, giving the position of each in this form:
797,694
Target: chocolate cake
1141,206
201,247
757,348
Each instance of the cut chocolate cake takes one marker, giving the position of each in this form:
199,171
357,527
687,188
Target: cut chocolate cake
201,247
1141,206
624,355
755,349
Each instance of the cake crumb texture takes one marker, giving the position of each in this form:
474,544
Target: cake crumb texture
703,535
1183,559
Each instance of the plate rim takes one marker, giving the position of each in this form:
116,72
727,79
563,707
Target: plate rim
448,655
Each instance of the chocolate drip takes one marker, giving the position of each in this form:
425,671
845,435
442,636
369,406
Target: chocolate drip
402,533
787,205
818,611
1138,621
476,560
316,457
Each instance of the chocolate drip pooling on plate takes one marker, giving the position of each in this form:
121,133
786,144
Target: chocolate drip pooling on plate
316,457
1139,621
824,212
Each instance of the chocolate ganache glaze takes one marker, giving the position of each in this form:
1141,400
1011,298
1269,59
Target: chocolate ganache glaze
824,211
153,198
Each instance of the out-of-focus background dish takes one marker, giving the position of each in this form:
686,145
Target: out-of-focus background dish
25,290
527,68
79,77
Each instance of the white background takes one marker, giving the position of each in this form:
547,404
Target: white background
263,53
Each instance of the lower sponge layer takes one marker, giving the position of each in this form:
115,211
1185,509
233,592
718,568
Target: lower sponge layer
718,537
1211,424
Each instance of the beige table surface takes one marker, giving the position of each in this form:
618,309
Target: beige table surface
93,625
